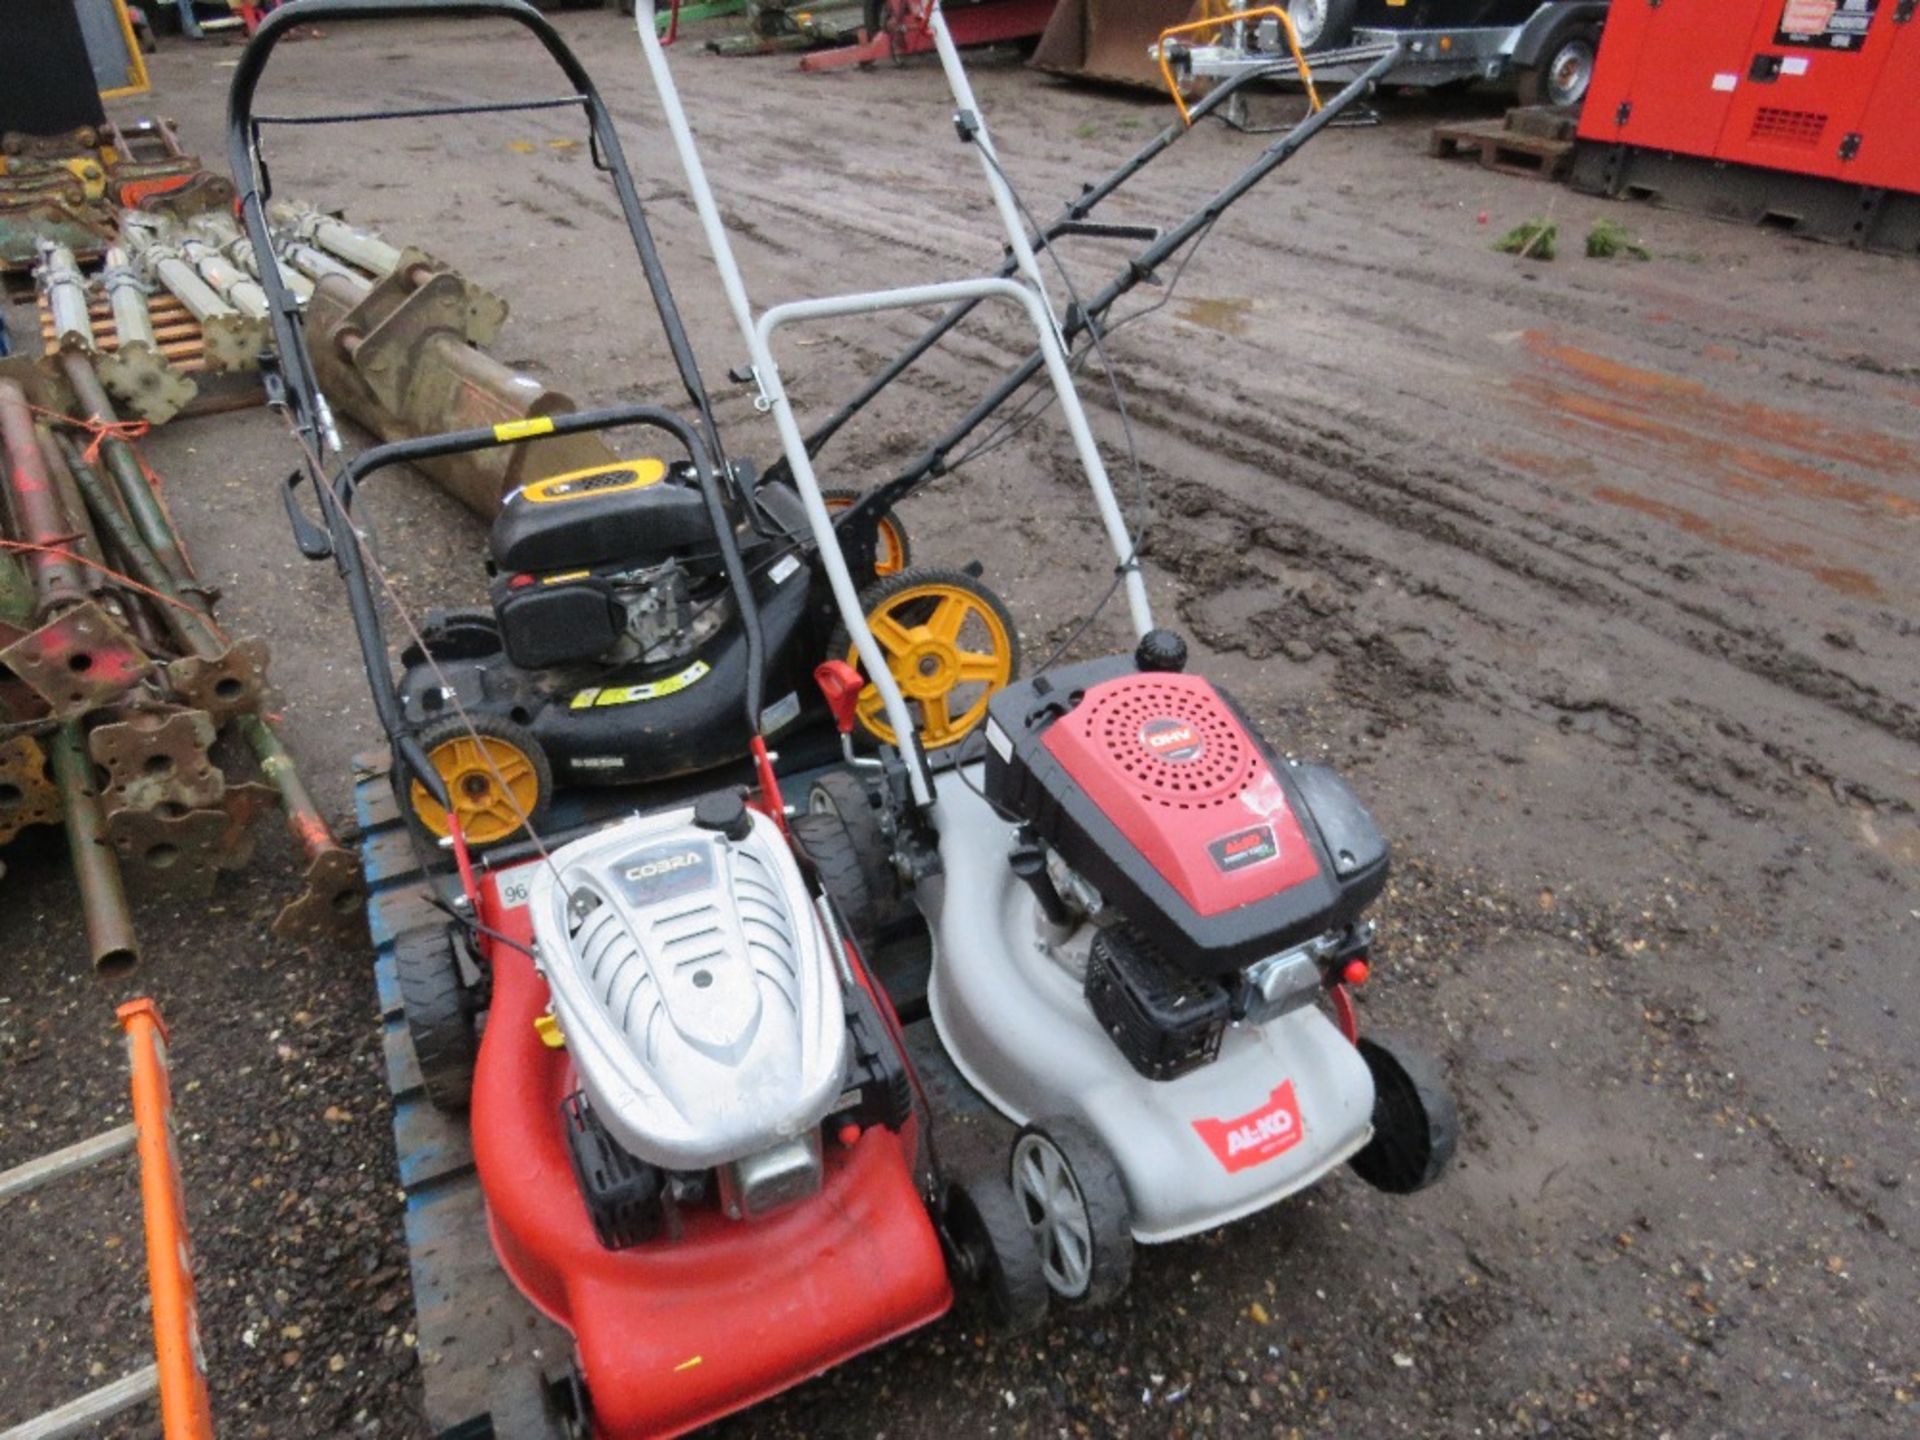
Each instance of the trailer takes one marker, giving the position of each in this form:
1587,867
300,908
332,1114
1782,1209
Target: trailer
1546,49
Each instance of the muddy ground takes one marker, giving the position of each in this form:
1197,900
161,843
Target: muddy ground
1597,578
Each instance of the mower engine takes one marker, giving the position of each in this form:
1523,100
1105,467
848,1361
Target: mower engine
700,997
1189,874
607,567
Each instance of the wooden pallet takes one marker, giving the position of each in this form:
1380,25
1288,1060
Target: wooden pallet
174,328
178,334
1501,147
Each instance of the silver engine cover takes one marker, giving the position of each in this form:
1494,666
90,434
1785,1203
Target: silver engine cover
696,987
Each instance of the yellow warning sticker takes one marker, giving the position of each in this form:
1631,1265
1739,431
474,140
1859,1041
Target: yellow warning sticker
508,431
595,697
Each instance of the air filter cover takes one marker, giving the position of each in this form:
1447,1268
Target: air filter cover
1154,787
695,986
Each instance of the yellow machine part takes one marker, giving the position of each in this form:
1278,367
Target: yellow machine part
596,480
923,630
493,785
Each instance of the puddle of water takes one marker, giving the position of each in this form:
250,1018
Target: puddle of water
1227,316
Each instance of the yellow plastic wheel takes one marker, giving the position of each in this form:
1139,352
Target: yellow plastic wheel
495,772
893,554
949,644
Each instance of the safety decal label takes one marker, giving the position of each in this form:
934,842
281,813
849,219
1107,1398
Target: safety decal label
507,431
1825,24
1243,848
782,713
515,886
594,697
1258,1136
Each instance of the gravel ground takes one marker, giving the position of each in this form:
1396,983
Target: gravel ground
1597,578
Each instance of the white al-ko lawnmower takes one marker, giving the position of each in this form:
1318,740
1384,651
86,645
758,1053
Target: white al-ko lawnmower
1144,921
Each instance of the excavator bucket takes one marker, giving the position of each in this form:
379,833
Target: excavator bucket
1110,39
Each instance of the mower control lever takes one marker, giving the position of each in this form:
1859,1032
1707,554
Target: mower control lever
312,540
841,684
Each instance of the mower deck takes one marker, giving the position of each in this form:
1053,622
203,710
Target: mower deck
486,1355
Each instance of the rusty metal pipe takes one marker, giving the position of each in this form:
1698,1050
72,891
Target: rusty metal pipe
142,505
86,539
37,511
332,902
304,821
103,899
186,626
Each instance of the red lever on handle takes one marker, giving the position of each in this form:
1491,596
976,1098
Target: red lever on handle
841,684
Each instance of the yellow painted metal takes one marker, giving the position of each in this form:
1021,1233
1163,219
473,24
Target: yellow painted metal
920,629
136,62
632,475
493,785
1219,21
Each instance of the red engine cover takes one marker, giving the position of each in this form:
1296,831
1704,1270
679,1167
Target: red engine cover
1173,768
674,1334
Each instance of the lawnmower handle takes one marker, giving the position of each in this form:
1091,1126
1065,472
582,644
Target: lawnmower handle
346,484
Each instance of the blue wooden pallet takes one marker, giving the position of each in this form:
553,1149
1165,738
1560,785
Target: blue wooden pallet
484,1352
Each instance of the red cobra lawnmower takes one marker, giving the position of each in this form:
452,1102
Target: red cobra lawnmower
693,1121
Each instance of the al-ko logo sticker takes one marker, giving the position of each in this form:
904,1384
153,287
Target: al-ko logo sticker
1175,740
660,872
1243,848
1257,1136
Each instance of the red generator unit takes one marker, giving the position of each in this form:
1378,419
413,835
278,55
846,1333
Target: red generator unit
1803,114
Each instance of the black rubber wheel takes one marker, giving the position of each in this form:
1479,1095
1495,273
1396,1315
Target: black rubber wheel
1565,71
1075,1206
827,845
843,795
993,1247
438,1008
477,754
914,598
895,549
1415,1121
1322,24
469,632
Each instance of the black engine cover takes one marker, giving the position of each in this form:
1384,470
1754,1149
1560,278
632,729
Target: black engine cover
636,512
550,623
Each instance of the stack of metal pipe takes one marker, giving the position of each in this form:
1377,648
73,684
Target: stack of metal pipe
116,679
